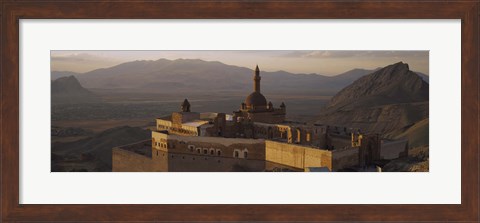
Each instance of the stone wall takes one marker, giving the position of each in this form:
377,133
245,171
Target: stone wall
297,156
345,158
276,116
210,146
181,162
206,154
163,124
318,158
339,141
127,161
181,117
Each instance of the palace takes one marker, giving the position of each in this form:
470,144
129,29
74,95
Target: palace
257,137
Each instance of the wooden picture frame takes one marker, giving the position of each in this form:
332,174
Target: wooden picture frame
12,11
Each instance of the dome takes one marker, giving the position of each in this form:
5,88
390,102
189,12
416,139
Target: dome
256,99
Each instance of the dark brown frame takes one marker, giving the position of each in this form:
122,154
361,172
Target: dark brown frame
12,11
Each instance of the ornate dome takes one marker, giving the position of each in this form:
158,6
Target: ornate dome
256,99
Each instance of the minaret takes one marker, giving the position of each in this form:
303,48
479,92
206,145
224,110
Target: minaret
256,80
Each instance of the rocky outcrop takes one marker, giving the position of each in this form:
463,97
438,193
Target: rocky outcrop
385,101
67,90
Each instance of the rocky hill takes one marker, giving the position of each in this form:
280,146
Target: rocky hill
67,90
386,101
58,74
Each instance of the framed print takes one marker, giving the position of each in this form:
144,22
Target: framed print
239,111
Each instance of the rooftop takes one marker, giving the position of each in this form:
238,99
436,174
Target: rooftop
196,123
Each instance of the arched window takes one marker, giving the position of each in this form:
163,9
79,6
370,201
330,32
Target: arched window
245,154
205,151
212,152
219,153
236,154
198,150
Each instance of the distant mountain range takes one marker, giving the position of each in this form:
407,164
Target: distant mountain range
387,101
193,75
67,90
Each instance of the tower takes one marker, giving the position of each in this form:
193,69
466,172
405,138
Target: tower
185,106
256,80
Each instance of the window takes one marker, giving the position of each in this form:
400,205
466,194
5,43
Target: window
245,154
212,152
198,150
157,152
219,153
236,154
205,151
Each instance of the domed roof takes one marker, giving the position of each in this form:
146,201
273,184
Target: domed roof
256,99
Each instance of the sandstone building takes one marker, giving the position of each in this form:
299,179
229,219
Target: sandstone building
257,137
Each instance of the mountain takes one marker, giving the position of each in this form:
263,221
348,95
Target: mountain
98,147
193,75
416,134
385,101
424,77
58,74
67,90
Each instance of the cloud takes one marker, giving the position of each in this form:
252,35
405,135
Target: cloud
77,57
355,54
80,61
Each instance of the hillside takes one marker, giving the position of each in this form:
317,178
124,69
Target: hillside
385,101
416,134
67,90
193,75
97,149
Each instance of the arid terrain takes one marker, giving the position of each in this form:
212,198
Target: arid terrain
95,111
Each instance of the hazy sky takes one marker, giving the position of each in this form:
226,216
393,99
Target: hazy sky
321,62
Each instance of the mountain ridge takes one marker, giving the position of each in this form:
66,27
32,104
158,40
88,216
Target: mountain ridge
384,101
198,75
